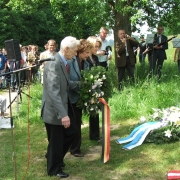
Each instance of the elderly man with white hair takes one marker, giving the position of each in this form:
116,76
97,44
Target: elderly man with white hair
56,111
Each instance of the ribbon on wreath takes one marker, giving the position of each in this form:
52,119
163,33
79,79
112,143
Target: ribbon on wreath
105,131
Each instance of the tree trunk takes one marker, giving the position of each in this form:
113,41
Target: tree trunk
121,22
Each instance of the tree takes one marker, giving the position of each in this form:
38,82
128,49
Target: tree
29,22
5,25
82,18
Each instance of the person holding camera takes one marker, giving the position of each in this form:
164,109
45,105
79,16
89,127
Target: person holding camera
105,53
125,56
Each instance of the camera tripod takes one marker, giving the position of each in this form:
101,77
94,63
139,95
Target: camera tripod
15,76
19,91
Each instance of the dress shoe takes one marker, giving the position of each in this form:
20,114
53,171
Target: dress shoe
62,175
78,154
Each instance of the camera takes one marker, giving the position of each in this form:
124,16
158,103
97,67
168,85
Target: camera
107,50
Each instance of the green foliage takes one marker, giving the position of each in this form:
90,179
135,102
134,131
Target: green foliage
80,18
30,22
157,136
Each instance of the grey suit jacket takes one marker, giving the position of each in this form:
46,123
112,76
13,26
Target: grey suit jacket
55,91
75,76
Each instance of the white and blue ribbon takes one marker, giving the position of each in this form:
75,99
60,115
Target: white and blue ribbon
138,135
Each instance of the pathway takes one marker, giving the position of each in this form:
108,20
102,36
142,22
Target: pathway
5,93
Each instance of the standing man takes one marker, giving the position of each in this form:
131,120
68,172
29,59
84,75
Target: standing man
105,53
158,54
60,127
3,63
125,56
48,53
141,49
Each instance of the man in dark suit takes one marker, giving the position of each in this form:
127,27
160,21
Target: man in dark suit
55,112
125,56
158,54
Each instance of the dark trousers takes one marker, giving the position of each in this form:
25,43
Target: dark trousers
142,58
76,144
121,70
156,62
179,65
60,140
23,76
103,64
94,127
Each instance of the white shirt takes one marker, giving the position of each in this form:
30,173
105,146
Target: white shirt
104,58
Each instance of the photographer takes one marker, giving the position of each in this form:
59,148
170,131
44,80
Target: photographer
125,56
105,53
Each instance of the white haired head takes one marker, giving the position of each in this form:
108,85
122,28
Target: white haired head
69,42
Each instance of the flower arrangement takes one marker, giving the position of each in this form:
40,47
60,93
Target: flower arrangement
95,84
170,129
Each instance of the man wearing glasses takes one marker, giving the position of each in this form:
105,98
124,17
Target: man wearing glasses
158,54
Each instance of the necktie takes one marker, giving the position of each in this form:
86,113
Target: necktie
67,68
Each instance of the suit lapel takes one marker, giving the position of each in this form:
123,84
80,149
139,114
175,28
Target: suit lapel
76,67
63,68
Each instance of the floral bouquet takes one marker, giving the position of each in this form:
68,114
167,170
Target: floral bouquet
95,84
170,129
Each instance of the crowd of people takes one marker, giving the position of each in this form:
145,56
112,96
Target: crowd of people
127,47
60,80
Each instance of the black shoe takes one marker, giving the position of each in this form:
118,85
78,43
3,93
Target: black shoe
61,175
78,154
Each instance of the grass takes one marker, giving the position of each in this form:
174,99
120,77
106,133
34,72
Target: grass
146,162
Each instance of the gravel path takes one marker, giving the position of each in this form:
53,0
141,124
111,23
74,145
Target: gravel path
5,93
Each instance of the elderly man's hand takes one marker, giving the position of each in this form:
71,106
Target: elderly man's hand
66,121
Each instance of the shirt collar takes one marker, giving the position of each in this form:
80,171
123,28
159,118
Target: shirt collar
63,58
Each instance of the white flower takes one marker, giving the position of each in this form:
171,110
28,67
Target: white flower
155,115
174,108
85,104
94,86
103,77
91,109
168,133
97,95
102,93
173,117
142,119
177,123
